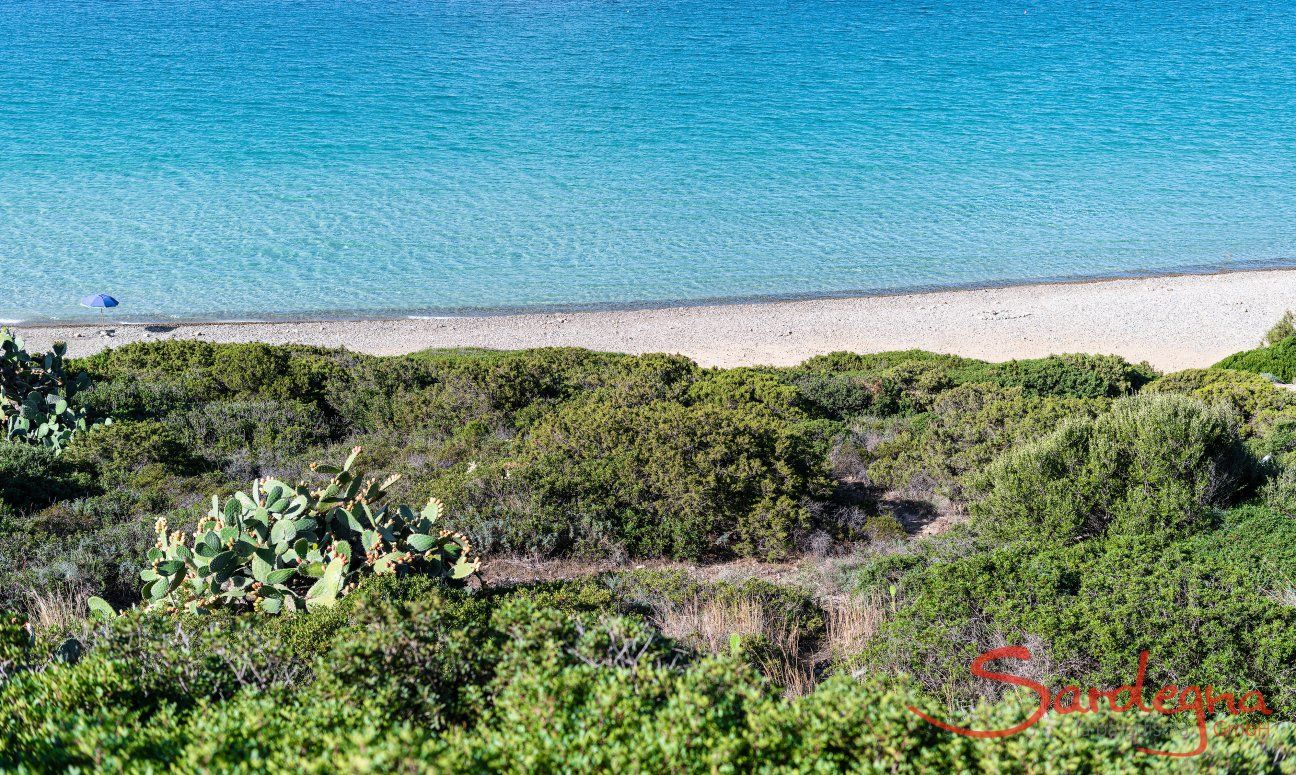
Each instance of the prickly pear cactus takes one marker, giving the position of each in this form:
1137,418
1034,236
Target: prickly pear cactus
282,548
35,393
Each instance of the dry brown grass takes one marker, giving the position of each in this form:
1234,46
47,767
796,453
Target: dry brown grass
710,624
60,607
713,625
851,623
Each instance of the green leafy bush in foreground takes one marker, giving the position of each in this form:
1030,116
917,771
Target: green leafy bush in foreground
285,548
402,676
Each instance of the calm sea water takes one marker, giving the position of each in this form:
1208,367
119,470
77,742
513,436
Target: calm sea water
245,158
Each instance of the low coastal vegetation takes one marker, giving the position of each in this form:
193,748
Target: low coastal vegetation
763,568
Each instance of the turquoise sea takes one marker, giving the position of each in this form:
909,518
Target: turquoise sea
253,158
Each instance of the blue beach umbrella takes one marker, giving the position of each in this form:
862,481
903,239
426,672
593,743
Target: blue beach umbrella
100,300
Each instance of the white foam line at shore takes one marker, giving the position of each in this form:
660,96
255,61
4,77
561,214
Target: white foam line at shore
434,317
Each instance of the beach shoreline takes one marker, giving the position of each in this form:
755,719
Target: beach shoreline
1171,321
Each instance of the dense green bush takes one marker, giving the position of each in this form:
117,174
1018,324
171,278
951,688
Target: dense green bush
665,478
836,396
232,369
1277,360
1259,403
747,389
843,362
264,432
431,658
841,385
1074,376
1151,464
121,452
34,476
1071,375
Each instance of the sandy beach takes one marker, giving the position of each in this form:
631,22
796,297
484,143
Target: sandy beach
1171,322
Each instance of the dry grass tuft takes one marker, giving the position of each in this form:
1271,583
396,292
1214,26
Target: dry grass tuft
851,623
59,608
711,625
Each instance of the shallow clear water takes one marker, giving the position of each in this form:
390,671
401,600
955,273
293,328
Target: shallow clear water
245,158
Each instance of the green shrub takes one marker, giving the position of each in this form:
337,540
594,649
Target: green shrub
841,385
249,369
15,643
88,716
911,387
146,397
914,374
265,432
1072,375
429,658
1285,328
122,451
213,371
884,527
842,362
836,396
1278,360
745,388
34,476
516,381
185,659
170,356
667,479
375,393
1279,492
1152,463
1202,606
1258,402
